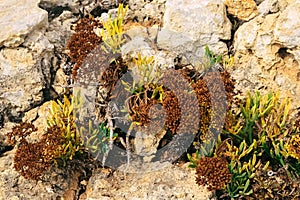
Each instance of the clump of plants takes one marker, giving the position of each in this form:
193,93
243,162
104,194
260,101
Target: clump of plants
148,87
61,116
258,138
95,48
60,143
259,141
31,160
112,31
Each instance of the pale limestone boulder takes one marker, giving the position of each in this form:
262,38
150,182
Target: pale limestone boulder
267,51
265,35
18,19
272,6
21,82
192,24
287,29
242,9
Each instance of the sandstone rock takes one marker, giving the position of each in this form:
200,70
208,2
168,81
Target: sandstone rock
171,182
190,25
20,18
242,9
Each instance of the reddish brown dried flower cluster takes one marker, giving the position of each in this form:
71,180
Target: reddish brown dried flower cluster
192,114
221,86
33,159
171,105
181,104
83,41
213,173
29,162
110,75
19,133
139,109
52,141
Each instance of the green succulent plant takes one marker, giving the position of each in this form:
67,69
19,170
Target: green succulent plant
204,149
112,32
61,115
96,139
258,134
243,165
210,61
145,68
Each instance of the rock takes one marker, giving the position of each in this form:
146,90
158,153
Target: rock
38,43
55,184
59,30
242,9
192,24
170,182
20,18
21,81
143,40
146,12
137,44
267,49
271,6
38,117
287,28
3,131
211,15
60,82
27,72
265,35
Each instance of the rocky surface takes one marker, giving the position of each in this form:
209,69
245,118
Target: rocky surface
26,57
146,12
267,51
242,9
170,182
22,83
55,184
183,33
20,19
34,68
